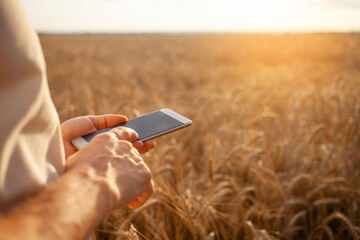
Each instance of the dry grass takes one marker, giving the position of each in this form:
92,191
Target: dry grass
273,152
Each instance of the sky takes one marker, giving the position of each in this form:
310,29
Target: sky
182,16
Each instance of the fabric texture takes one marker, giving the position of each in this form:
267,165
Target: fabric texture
31,150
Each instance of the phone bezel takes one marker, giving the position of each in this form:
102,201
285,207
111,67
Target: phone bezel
177,116
80,142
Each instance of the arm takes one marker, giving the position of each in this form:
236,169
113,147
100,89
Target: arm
66,210
106,174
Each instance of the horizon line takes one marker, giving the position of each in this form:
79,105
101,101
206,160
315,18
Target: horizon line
192,32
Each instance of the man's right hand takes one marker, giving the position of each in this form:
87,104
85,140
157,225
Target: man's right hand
111,159
106,174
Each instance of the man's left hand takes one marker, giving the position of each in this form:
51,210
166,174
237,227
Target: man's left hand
79,126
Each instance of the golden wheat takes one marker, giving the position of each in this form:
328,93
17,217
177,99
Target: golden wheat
273,152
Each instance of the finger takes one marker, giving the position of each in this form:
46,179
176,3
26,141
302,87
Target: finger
69,149
147,145
107,120
138,145
76,127
83,125
123,133
142,198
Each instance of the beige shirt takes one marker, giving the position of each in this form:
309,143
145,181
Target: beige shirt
31,150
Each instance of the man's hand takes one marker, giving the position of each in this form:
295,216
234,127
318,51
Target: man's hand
114,154
110,158
79,126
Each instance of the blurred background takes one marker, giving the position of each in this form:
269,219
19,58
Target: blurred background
190,16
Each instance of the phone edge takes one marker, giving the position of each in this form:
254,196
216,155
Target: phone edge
79,142
176,116
166,132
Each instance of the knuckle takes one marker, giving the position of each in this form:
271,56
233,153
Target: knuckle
130,132
124,133
116,132
146,173
126,144
127,133
104,137
139,159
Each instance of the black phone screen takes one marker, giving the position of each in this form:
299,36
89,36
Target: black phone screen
146,126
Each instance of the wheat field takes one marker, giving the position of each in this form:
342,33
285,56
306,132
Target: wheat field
273,152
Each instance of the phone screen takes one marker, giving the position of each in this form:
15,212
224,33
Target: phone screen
146,126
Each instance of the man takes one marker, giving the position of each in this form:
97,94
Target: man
47,189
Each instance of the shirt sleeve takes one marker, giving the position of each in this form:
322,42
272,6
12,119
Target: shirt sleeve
31,150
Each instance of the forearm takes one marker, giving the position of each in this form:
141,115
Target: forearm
68,209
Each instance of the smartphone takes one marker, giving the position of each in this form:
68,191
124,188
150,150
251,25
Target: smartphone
149,126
